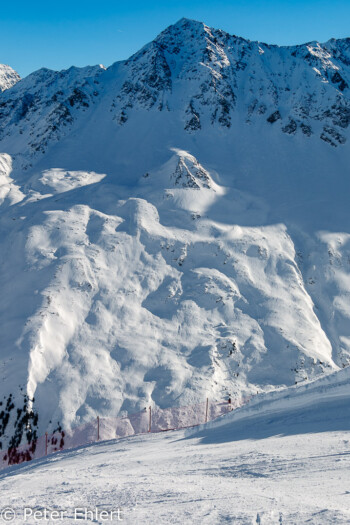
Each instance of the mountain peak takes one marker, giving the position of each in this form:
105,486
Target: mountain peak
8,77
186,22
185,26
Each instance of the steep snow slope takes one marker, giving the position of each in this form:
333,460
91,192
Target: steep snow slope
318,406
284,462
8,77
173,227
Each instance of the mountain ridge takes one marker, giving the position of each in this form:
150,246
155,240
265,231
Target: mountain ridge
217,84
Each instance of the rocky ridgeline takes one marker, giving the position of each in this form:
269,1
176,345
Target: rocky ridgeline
206,75
43,105
210,75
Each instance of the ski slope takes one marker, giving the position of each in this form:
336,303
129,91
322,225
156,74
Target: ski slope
283,459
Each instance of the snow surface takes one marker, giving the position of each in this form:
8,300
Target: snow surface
174,227
284,459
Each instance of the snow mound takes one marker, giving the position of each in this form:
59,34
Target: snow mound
60,180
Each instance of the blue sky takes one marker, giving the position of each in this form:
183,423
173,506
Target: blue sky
53,34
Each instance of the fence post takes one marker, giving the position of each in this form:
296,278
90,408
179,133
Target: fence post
206,411
98,428
45,443
150,420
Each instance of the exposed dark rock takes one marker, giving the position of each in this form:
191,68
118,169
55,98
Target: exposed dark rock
193,123
122,117
23,428
78,98
338,79
190,174
274,117
332,136
306,129
340,115
290,128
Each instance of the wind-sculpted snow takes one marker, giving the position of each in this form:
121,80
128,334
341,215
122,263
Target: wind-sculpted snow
173,227
122,309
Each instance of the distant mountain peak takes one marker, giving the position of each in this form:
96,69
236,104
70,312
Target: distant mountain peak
8,77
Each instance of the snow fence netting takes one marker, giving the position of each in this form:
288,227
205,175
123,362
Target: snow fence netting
151,419
175,418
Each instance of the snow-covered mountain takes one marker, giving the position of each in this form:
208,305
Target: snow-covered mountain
203,77
8,77
173,227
